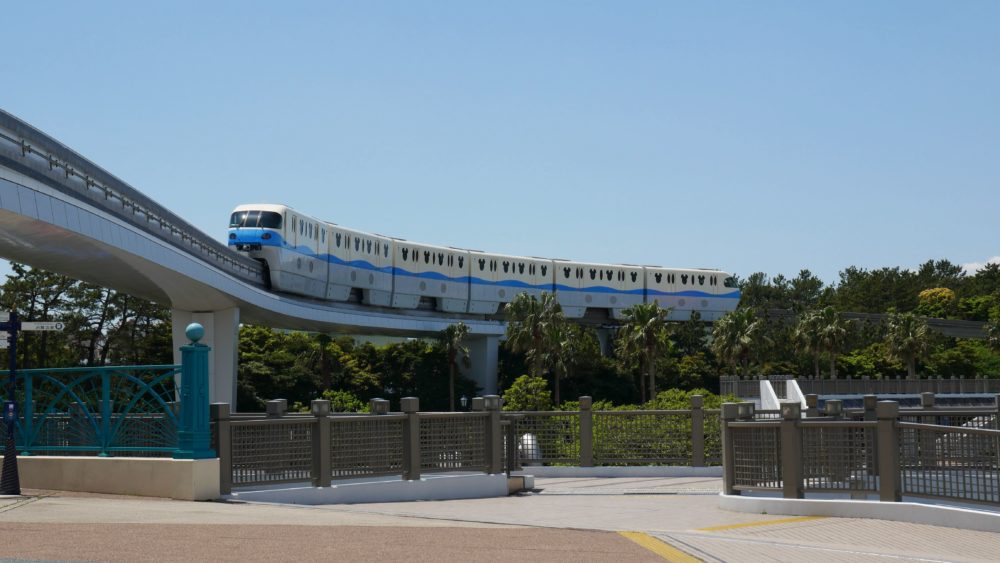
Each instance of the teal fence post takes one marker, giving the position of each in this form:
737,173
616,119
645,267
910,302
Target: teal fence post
193,431
105,413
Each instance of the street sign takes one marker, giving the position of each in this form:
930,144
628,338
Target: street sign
4,317
41,326
3,343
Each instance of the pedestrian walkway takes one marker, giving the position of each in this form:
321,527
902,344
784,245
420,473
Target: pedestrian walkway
634,519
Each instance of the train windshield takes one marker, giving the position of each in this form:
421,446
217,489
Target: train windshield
262,219
730,282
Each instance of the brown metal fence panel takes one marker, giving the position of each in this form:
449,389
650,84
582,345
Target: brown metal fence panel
839,457
549,437
713,437
453,442
271,451
757,455
955,463
643,437
366,446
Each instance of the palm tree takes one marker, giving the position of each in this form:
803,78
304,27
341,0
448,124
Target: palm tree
808,339
833,332
736,336
644,332
451,340
565,347
908,339
531,325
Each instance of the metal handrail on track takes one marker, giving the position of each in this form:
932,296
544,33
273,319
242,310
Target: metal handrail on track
42,157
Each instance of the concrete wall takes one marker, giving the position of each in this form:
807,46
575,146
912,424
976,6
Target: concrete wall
182,479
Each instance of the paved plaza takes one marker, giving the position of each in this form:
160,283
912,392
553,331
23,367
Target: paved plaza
582,519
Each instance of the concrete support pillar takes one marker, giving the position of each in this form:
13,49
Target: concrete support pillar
483,360
222,334
605,336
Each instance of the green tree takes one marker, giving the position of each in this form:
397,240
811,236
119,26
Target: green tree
451,340
808,337
937,302
644,333
993,332
908,339
527,393
737,336
531,326
833,333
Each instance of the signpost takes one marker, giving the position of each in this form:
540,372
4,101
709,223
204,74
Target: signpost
10,484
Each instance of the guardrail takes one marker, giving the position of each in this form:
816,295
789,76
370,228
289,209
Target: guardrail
886,456
36,154
749,388
321,447
123,410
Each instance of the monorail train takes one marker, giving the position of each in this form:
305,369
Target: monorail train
306,256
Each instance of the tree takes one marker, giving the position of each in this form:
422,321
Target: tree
937,302
736,336
527,393
833,332
531,326
451,340
644,332
908,339
808,339
993,333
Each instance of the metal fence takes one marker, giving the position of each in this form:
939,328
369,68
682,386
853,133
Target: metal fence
321,447
749,387
881,452
121,411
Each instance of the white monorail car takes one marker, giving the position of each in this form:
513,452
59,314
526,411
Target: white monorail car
309,257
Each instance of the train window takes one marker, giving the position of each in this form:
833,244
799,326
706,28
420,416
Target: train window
323,236
302,227
237,219
270,220
294,220
730,282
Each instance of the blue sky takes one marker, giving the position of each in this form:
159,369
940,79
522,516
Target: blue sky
746,136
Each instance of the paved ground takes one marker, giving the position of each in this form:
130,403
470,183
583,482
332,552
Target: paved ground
563,520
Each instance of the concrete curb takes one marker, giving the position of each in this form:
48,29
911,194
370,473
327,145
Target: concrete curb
432,487
915,513
637,471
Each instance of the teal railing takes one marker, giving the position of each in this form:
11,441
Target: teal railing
120,410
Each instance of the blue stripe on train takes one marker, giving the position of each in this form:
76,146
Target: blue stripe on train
277,240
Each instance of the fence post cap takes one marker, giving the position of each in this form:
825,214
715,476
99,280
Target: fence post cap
319,407
927,399
745,410
409,404
887,409
277,407
834,407
812,400
219,411
492,402
194,332
791,410
870,401
586,403
478,404
730,411
697,401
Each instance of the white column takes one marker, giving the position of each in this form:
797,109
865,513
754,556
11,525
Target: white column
222,333
483,358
